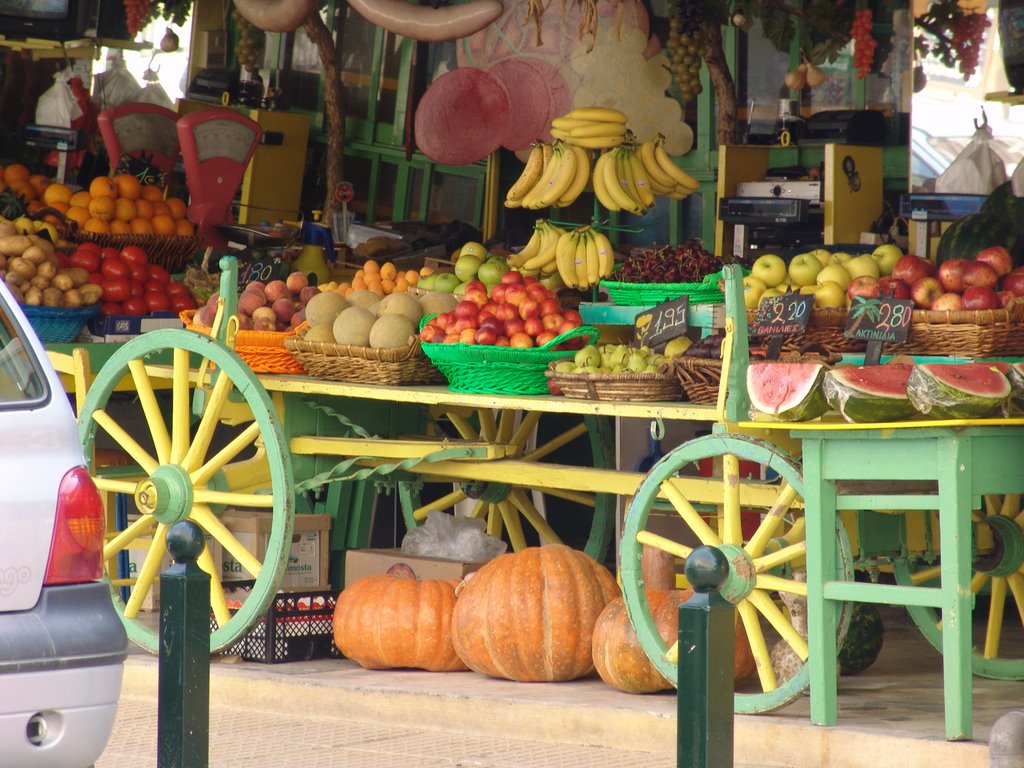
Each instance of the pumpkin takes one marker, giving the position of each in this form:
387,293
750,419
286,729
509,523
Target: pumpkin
387,621
658,568
620,659
529,615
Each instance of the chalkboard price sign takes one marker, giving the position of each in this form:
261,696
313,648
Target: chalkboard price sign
783,315
657,326
883,319
265,268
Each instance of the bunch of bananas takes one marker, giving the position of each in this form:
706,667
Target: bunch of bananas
667,178
538,255
591,127
628,180
555,174
583,256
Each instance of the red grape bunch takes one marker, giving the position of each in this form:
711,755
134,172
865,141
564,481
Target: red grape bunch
137,14
968,36
863,43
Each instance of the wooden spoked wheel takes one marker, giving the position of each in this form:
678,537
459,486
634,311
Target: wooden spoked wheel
520,500
997,583
201,436
759,525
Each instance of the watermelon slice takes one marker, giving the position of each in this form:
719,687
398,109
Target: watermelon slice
787,391
1016,375
870,393
958,391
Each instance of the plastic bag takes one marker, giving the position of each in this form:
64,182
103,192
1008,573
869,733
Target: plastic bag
58,106
454,537
116,86
977,170
154,93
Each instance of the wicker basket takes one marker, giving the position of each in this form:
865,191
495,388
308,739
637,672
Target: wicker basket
700,377
58,325
978,333
826,329
654,387
172,252
486,369
363,365
263,351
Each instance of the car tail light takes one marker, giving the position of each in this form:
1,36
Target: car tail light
76,552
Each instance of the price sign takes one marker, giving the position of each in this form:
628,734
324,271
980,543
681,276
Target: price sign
783,315
266,268
883,320
657,326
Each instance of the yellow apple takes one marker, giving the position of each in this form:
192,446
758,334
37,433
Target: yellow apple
887,255
863,265
803,269
821,255
839,257
753,287
829,294
835,273
769,269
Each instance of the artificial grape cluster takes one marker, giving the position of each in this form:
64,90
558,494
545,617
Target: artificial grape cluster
968,36
863,43
686,45
249,43
137,14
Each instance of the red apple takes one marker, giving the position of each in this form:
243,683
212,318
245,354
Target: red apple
865,286
1014,282
486,335
572,316
925,291
444,320
513,326
948,301
502,341
466,309
515,295
898,289
431,334
980,297
550,306
505,312
978,274
951,275
468,336
998,258
512,278
529,308
521,340
498,292
1005,297
544,337
912,268
533,325
451,338
552,322
462,324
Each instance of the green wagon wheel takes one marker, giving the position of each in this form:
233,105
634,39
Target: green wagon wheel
510,507
187,465
759,526
997,583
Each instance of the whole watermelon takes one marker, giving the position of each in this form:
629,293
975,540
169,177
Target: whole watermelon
863,640
1002,202
977,231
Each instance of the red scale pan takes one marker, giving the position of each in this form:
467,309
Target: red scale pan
463,117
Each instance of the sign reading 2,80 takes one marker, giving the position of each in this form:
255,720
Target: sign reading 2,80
883,319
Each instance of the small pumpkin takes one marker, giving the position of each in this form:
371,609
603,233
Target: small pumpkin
658,568
620,659
387,621
529,615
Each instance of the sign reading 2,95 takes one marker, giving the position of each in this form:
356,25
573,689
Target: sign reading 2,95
884,319
783,315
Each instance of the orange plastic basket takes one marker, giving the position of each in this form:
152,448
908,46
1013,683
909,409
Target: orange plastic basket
263,351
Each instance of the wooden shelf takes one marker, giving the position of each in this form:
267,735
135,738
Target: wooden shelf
1005,97
72,49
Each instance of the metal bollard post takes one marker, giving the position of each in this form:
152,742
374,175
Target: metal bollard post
183,708
704,710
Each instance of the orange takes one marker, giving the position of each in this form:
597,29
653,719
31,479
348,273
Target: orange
183,228
96,225
128,186
388,286
80,198
23,189
57,205
56,193
124,209
77,214
40,182
412,276
163,224
371,267
141,227
34,206
16,172
143,208
118,227
102,208
160,208
152,192
103,186
176,206
388,271
358,283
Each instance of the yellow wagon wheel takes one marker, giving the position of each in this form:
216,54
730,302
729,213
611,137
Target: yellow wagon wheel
759,525
189,466
515,502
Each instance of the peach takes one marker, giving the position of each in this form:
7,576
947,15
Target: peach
308,293
284,309
264,324
298,318
264,314
277,289
244,323
249,302
296,281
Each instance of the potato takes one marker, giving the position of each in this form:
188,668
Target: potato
3,262
72,298
47,269
35,254
41,242
14,245
91,293
53,297
26,268
78,275
16,279
7,228
40,281
63,281
34,297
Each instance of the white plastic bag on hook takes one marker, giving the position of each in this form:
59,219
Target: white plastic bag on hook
116,86
978,169
58,105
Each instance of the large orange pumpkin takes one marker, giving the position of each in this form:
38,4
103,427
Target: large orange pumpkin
529,615
620,659
387,621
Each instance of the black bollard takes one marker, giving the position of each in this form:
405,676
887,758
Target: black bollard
707,639
183,727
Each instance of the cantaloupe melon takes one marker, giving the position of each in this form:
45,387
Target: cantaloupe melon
365,299
437,302
400,304
324,308
392,332
353,326
323,332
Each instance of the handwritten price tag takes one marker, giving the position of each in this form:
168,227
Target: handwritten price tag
884,319
783,315
657,326
263,269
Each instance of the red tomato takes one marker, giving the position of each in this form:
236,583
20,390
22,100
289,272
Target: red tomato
157,301
63,260
110,308
134,254
95,277
88,245
140,272
137,290
112,266
109,253
156,272
116,289
86,258
174,287
180,302
136,305
155,285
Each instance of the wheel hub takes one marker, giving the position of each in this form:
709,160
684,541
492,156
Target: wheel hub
742,577
166,494
1007,553
486,492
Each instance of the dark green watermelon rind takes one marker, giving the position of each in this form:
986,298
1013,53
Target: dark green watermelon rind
975,232
934,393
1002,202
863,641
858,402
812,405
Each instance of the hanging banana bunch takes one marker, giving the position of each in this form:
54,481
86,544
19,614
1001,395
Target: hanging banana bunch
556,182
591,127
583,257
538,255
666,178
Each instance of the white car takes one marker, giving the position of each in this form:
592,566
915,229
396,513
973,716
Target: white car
62,645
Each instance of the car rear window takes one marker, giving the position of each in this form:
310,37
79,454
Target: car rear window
21,380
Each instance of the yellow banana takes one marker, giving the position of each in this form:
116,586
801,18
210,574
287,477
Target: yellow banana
568,123
605,254
600,189
679,176
657,189
579,182
593,259
531,175
559,133
679,193
530,249
532,198
565,255
549,152
646,153
619,184
546,249
597,142
582,260
597,129
641,180
607,114
562,179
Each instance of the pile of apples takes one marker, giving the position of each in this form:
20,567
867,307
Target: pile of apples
519,312
989,281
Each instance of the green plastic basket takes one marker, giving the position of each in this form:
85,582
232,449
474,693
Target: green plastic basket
487,369
58,325
646,294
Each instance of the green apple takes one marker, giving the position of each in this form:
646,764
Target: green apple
887,255
821,254
829,294
835,273
839,257
466,267
861,266
473,248
490,271
446,281
803,269
769,269
753,287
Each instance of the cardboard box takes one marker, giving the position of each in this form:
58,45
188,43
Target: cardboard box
111,328
307,559
368,562
137,556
